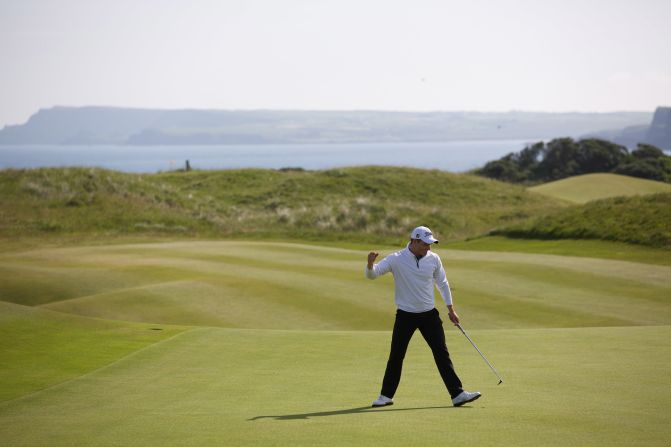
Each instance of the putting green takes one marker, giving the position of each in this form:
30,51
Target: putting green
40,348
584,188
591,386
285,344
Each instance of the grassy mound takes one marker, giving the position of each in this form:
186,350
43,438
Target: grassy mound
638,219
584,188
376,204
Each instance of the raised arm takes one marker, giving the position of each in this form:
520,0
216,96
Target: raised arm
374,270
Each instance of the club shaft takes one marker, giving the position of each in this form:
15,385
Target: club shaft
480,352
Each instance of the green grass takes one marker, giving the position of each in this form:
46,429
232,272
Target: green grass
567,247
598,386
292,286
354,205
271,343
644,220
361,204
585,188
40,348
265,341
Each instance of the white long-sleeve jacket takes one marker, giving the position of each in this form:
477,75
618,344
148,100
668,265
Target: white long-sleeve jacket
414,279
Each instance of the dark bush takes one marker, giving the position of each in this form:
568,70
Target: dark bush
642,168
564,157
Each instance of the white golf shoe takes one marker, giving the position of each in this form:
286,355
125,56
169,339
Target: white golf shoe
383,401
464,398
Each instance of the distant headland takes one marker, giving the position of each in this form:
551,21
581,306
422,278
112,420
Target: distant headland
94,125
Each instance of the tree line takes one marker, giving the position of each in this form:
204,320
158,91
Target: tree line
566,157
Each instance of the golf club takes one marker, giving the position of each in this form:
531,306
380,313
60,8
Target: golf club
481,354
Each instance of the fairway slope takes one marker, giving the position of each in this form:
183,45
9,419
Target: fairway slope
588,187
40,348
294,286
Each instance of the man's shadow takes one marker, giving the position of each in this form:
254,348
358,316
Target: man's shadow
357,410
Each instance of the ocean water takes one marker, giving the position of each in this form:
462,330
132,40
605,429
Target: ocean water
452,156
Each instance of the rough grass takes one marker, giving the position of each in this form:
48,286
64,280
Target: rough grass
353,205
376,204
585,188
642,220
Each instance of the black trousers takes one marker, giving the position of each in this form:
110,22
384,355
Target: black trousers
431,327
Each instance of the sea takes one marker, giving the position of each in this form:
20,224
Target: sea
451,156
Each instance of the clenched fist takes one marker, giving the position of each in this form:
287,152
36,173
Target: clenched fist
372,256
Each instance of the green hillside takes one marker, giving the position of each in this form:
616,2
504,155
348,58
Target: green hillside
642,220
353,205
375,204
584,188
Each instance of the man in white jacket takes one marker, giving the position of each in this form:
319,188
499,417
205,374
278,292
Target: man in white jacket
415,269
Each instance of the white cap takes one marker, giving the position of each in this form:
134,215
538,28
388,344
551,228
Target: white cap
423,233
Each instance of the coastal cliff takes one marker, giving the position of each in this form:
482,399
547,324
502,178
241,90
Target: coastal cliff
659,132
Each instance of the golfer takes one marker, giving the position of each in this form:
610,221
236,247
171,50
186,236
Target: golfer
415,269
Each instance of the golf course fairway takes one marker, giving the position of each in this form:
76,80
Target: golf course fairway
266,343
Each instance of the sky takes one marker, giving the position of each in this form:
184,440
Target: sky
420,55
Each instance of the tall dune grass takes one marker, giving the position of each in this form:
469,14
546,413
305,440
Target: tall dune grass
357,204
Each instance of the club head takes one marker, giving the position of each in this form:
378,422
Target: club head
500,382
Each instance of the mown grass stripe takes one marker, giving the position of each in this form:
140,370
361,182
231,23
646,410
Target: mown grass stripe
233,284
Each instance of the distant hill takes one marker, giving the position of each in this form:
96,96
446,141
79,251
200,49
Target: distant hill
656,133
584,188
115,126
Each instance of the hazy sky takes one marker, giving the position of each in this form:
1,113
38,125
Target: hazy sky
555,55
